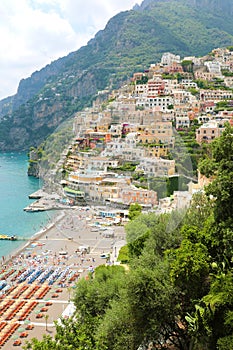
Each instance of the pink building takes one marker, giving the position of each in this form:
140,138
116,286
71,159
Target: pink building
209,131
140,196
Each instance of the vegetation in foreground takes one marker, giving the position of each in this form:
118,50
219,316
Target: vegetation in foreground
178,290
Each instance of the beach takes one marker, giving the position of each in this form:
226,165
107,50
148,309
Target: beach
40,278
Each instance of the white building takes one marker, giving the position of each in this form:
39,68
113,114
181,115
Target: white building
126,150
156,166
188,83
213,67
169,58
182,122
160,103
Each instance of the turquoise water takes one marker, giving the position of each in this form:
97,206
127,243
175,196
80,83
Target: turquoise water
15,186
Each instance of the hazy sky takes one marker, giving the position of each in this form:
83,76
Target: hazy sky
35,32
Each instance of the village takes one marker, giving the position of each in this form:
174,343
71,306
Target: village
129,139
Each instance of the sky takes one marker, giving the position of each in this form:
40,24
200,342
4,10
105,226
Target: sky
34,33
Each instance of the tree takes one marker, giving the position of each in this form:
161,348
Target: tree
220,167
189,272
47,343
199,211
46,316
71,334
134,210
69,290
92,296
187,66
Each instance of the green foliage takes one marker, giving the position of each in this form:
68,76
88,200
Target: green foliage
227,73
143,80
225,343
193,91
92,296
46,344
187,66
136,246
189,270
189,151
224,105
198,213
123,256
134,210
126,167
220,167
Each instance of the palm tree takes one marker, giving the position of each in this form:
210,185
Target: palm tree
46,316
69,289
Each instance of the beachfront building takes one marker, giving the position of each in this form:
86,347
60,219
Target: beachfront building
83,181
98,186
141,196
77,197
109,188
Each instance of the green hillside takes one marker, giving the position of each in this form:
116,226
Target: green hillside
130,42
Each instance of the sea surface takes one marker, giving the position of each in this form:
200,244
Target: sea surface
15,186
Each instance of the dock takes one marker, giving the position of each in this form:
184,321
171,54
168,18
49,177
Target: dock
8,238
44,201
38,194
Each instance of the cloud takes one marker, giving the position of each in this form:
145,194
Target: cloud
35,32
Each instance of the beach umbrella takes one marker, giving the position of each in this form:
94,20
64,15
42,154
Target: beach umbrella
20,329
14,337
27,321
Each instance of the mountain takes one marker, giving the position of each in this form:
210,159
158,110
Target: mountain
130,42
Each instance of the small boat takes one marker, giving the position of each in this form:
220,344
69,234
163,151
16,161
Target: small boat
8,238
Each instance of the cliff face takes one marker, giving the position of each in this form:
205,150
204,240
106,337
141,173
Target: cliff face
131,41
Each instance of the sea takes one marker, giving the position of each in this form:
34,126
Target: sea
15,187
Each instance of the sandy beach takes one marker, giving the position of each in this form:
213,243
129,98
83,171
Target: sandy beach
40,277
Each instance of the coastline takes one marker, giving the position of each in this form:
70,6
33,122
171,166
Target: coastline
58,246
37,235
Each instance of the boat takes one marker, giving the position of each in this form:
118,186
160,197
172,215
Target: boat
8,238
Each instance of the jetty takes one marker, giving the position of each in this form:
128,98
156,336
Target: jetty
38,194
8,238
45,201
